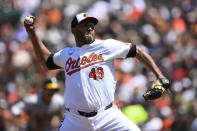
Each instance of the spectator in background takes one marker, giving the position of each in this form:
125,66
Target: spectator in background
44,108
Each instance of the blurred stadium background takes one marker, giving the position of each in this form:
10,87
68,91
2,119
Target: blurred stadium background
165,29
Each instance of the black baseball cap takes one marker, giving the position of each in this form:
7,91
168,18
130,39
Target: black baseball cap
83,17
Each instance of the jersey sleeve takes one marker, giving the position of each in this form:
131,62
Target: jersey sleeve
58,58
116,49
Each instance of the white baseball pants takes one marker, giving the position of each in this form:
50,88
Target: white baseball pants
111,119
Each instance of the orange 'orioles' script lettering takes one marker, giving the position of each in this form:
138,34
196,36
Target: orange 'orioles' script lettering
73,66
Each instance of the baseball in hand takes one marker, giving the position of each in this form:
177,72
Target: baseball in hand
29,20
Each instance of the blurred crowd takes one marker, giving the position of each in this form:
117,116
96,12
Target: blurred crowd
167,30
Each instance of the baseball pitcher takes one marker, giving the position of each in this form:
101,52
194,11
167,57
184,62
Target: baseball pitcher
90,77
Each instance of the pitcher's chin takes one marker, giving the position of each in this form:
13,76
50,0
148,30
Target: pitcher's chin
90,39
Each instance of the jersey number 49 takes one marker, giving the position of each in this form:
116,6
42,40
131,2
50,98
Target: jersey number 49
96,73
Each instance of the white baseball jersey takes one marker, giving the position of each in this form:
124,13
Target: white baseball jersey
89,73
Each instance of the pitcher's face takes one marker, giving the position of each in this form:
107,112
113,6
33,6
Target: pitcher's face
84,32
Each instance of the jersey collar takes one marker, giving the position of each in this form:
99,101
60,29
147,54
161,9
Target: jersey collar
85,46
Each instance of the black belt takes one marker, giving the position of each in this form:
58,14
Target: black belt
91,114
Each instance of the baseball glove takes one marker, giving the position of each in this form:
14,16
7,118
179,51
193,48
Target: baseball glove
159,88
